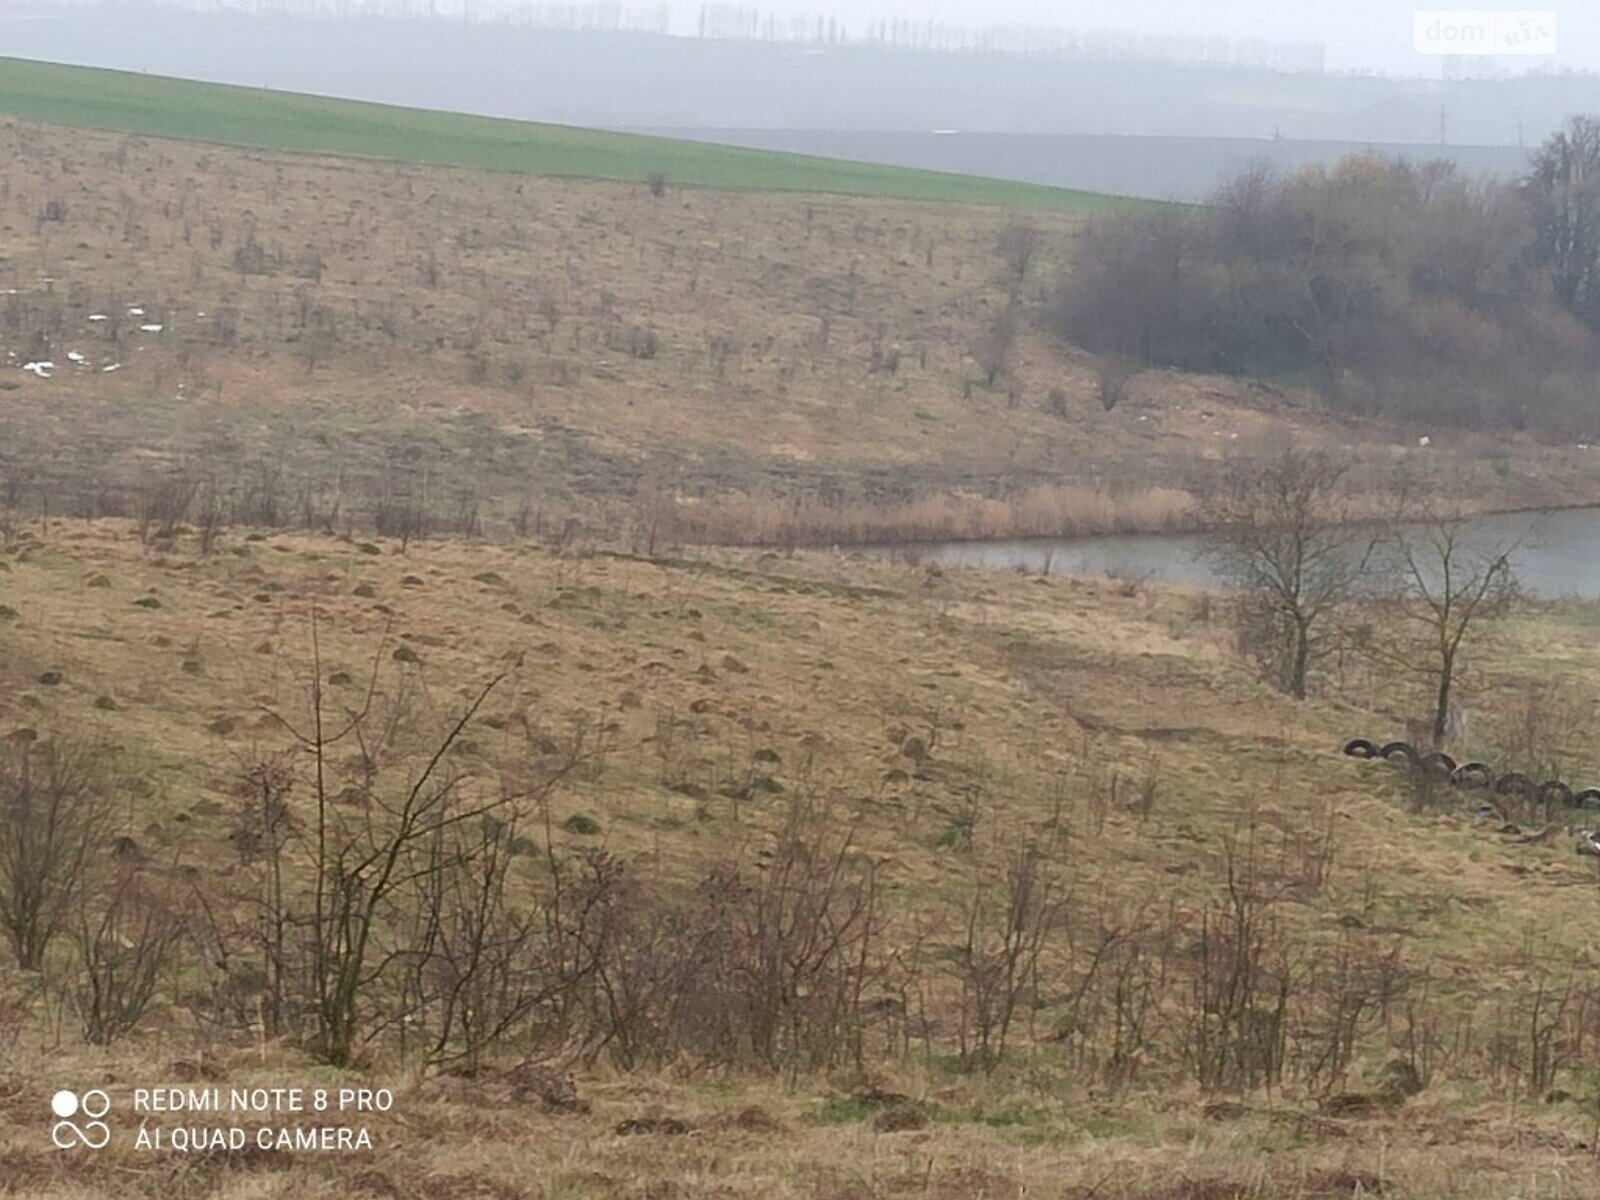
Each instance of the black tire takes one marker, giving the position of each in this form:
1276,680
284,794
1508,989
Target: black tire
1513,783
1472,775
1396,750
1588,798
1360,748
1440,763
1553,791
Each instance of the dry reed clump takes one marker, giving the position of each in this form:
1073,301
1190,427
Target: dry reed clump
1055,510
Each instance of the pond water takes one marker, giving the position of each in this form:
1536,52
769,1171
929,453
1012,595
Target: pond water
1557,552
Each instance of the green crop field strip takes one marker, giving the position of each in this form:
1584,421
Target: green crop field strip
163,107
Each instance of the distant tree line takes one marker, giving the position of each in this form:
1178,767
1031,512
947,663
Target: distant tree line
755,23
1400,289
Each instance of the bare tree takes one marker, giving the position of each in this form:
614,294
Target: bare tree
1446,589
385,902
52,814
165,503
1563,188
1238,1017
359,868
480,971
997,963
1018,244
263,828
210,513
1111,376
993,351
124,944
1284,538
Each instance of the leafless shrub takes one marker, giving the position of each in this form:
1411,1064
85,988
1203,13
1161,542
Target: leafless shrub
1397,286
1545,728
210,513
769,967
53,815
1446,590
481,976
1112,375
164,503
1238,1014
1539,1030
1344,992
1018,244
124,943
402,508
250,257
308,264
361,867
1283,538
254,972
259,500
997,963
993,351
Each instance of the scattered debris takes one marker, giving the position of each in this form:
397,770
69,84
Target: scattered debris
1401,1078
41,369
901,1118
753,1119
1354,1104
552,1088
638,1125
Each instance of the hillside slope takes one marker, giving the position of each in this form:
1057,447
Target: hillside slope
326,339
178,108
942,719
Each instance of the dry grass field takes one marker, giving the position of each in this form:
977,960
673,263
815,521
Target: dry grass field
325,341
943,717
820,876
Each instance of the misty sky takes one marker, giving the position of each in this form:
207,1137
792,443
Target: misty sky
1359,34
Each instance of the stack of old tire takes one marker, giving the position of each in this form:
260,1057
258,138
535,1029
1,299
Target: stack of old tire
1475,775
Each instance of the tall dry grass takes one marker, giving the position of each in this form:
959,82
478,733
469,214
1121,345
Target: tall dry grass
1062,510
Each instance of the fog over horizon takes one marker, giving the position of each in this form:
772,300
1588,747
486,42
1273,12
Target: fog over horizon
1362,36
1165,107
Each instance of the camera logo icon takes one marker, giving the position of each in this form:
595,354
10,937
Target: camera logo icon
88,1129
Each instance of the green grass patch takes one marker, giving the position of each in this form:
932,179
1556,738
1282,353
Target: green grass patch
158,106
846,1110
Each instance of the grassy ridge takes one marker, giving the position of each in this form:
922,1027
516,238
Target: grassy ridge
163,107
